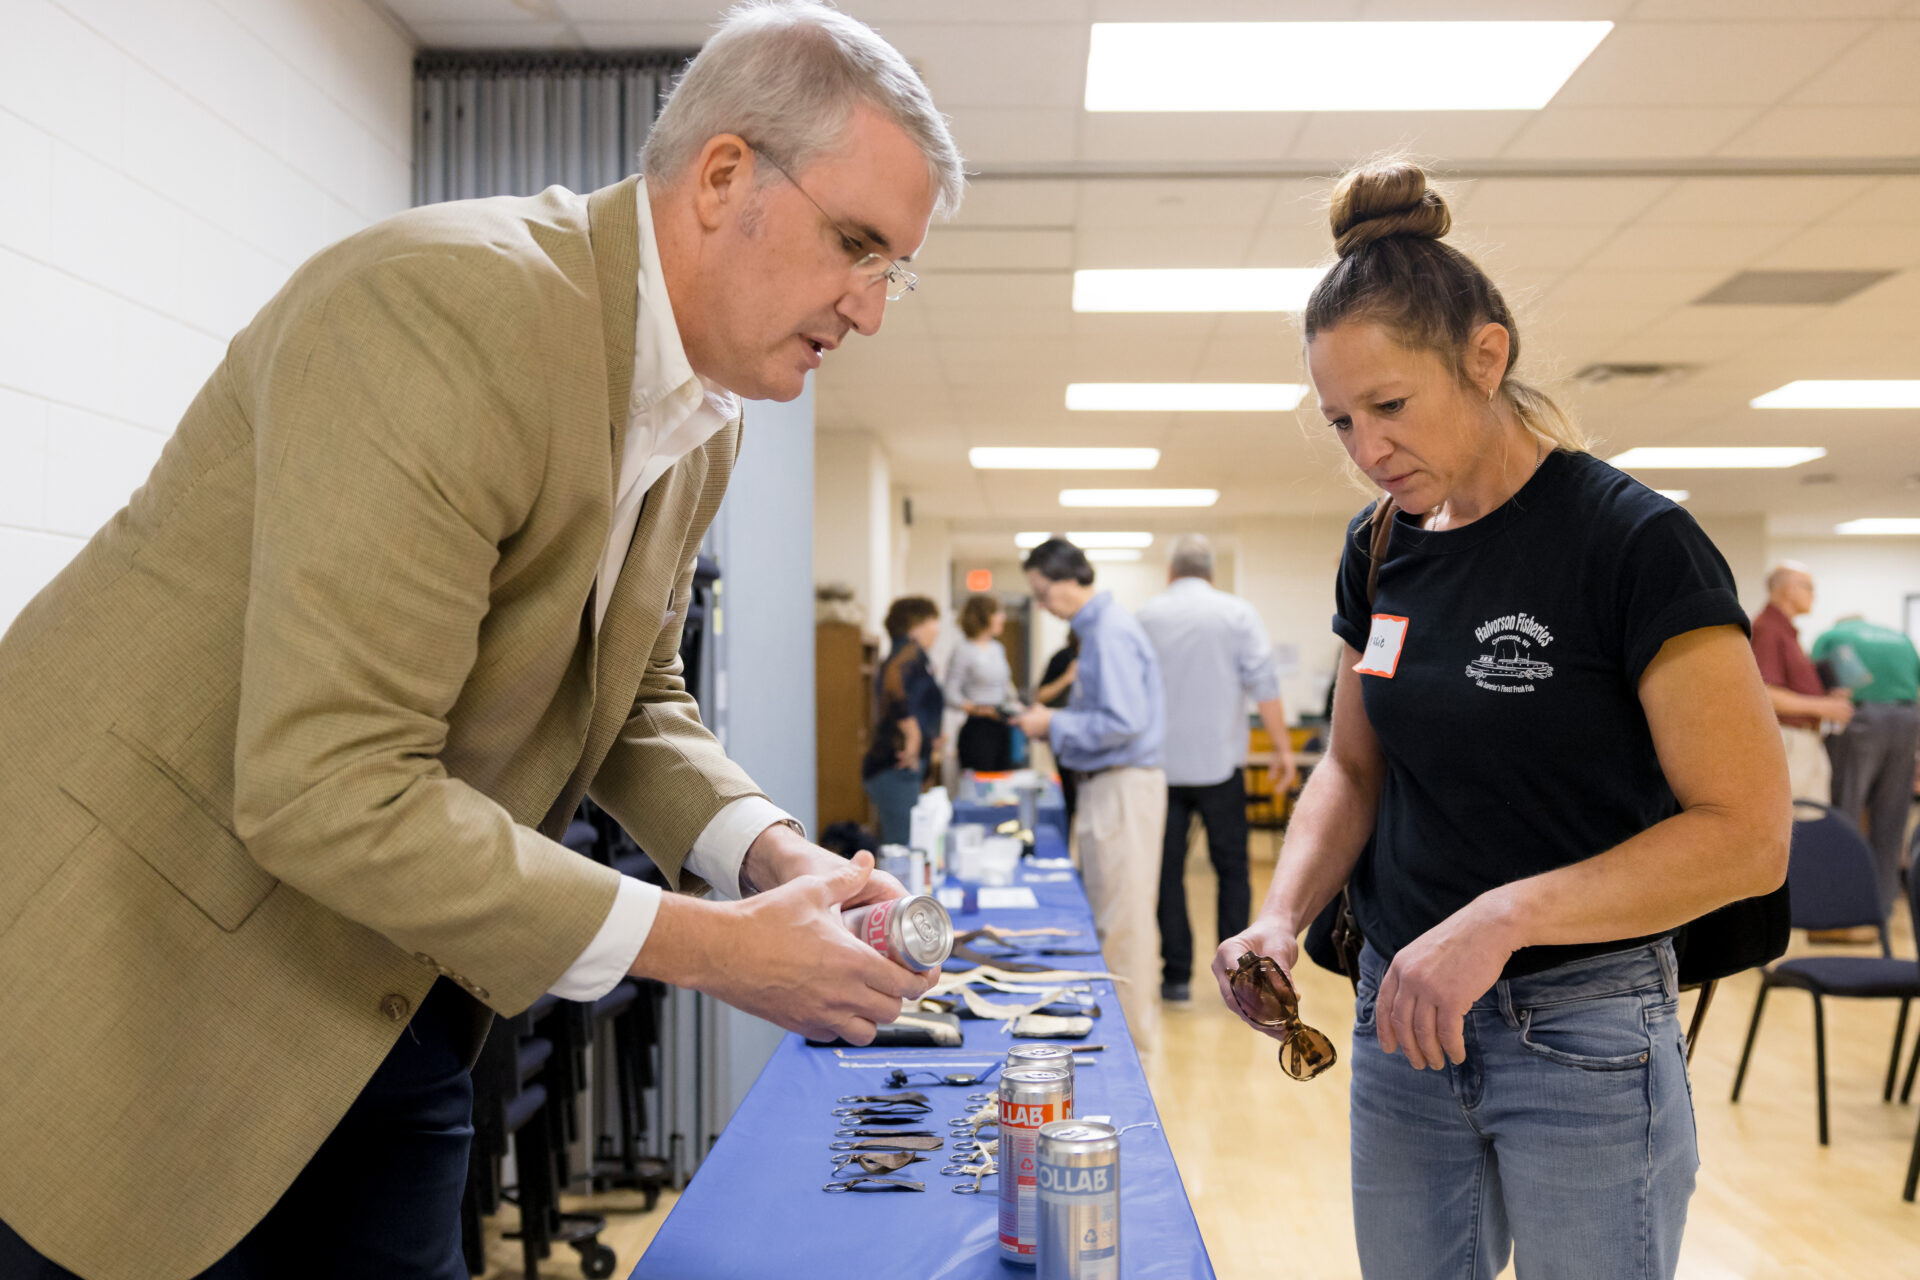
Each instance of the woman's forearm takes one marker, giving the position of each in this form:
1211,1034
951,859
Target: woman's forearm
1330,825
1673,872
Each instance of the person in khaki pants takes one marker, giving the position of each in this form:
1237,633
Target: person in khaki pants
1109,737
291,740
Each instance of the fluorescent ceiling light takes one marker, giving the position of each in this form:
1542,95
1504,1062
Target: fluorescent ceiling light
1112,553
1195,289
1139,497
995,459
1660,458
1311,66
1841,393
1881,525
1186,397
1085,541
1675,495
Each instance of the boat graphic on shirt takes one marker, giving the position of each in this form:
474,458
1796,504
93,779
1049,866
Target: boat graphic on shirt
1509,665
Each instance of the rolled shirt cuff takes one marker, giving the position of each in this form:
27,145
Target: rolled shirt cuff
614,948
717,855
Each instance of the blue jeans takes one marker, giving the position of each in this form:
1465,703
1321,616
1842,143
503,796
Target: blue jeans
894,794
1566,1136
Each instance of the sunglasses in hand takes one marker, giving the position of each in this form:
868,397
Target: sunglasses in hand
1266,998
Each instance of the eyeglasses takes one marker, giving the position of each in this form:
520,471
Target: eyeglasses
869,269
1267,999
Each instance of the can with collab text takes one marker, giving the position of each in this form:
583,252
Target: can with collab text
915,932
1029,1099
1078,1179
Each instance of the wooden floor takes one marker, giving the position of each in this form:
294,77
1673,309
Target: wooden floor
1265,1158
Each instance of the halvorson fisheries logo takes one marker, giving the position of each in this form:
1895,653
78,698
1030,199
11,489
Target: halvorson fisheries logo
1510,663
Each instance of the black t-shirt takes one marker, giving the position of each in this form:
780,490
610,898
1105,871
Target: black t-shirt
1511,723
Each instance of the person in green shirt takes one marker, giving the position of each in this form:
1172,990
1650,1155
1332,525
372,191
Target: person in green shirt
1873,758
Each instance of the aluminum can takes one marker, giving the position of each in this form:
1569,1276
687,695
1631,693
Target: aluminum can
1029,1099
1078,1179
914,932
1046,1057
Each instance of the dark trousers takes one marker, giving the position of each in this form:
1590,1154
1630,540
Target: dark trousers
1873,782
1223,812
382,1195
985,745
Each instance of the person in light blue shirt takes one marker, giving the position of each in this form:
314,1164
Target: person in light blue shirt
1215,657
1110,737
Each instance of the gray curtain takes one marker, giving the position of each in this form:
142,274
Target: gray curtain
515,123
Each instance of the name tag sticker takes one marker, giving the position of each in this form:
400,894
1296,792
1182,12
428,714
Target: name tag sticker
1382,654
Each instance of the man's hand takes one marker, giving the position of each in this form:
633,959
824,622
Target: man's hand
1034,721
1839,708
1282,770
1266,936
785,956
780,854
1434,980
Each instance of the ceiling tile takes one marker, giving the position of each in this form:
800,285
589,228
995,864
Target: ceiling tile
1879,71
1654,291
1839,248
1895,200
884,13
1754,9
1699,64
1307,243
1014,135
1642,247
1562,202
1012,202
1786,201
1345,136
1830,132
650,33
1176,202
1142,247
1010,322
1499,249
416,13
494,35
1625,133
994,288
1200,137
982,64
991,249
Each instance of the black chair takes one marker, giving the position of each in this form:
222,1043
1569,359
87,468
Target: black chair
1831,879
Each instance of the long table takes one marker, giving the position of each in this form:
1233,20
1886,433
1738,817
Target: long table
969,806
756,1208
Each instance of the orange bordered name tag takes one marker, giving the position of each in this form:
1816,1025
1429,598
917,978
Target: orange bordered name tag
1382,654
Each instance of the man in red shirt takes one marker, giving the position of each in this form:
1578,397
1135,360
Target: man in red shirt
1800,700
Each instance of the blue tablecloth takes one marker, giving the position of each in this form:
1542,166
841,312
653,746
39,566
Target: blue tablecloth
756,1209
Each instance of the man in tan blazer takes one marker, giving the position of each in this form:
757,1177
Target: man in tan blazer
289,743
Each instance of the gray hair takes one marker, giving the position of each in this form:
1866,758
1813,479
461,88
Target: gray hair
1191,557
786,75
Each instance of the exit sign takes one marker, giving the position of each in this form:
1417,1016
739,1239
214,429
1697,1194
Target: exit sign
979,579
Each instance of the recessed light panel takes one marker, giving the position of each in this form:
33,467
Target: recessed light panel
1334,66
1136,541
1185,397
1195,289
1789,288
1021,459
1111,554
1139,497
1881,525
1674,495
1842,393
1656,459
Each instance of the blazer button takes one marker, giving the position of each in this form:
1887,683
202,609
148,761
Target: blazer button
395,1007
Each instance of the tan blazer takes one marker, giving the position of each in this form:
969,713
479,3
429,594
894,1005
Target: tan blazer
294,733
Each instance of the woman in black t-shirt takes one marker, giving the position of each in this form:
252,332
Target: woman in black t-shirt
1550,748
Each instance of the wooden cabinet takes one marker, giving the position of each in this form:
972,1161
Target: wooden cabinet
844,662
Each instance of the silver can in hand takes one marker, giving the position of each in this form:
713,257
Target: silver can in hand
914,932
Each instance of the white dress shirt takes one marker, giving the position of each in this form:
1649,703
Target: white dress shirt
1214,659
671,412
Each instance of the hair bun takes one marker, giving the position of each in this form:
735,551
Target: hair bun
1385,198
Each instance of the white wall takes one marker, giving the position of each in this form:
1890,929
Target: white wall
1868,576
1285,569
854,520
165,165
1742,539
